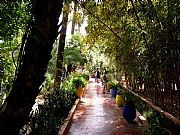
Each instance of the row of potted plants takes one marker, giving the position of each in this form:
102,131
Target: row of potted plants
123,99
157,123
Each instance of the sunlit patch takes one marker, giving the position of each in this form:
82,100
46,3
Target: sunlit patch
95,101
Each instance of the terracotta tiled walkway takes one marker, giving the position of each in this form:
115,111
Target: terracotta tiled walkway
97,114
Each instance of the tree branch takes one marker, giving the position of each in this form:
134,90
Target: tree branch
83,6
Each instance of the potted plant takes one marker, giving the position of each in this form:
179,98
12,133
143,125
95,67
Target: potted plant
113,88
120,95
129,110
111,82
79,83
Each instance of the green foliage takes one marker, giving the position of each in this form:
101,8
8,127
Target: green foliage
67,84
85,76
52,62
57,105
129,99
52,114
47,85
111,80
75,41
157,123
110,70
7,69
120,89
142,38
72,52
72,55
78,79
13,21
117,87
77,82
14,16
154,124
111,84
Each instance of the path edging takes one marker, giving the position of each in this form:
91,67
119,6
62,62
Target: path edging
67,122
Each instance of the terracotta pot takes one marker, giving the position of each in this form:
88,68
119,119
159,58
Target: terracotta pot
79,91
119,100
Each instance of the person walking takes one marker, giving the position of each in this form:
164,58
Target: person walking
97,76
105,80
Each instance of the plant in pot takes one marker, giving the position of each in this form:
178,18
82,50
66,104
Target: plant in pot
113,89
79,83
129,110
111,82
120,98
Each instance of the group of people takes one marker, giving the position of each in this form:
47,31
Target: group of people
104,79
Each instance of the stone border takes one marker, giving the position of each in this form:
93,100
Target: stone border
67,122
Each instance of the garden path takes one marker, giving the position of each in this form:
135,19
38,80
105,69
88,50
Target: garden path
97,114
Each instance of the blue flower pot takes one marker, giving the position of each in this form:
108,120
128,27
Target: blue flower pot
113,92
129,113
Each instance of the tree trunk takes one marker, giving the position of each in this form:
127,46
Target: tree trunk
61,46
74,17
42,34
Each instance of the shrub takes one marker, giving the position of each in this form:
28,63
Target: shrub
56,107
85,76
112,84
77,80
53,112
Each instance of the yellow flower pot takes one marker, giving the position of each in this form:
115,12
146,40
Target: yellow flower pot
79,91
120,100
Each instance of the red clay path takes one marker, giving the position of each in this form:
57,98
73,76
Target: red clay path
97,114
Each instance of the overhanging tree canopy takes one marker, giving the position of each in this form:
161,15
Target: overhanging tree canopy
142,38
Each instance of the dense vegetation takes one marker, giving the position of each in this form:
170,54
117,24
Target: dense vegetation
142,38
139,38
13,22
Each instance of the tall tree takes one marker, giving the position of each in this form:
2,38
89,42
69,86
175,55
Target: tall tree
74,16
59,61
41,34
